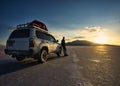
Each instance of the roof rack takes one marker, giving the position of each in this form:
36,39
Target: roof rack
35,24
22,25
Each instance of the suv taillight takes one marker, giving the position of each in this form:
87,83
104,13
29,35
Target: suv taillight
31,43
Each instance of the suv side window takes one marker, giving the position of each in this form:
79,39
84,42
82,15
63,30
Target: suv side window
52,39
40,34
45,36
48,37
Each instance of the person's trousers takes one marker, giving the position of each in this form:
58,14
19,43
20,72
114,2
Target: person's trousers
64,50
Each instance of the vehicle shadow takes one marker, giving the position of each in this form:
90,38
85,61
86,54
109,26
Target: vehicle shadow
11,65
55,58
8,66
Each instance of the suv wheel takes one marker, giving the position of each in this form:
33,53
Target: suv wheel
43,56
59,52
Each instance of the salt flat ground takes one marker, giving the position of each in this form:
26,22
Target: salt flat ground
85,66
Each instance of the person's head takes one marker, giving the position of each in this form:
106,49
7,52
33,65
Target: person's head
63,37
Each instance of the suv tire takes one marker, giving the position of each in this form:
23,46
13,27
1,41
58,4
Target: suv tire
43,56
59,52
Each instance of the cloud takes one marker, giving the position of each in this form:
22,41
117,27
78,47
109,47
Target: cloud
90,32
93,29
86,33
79,37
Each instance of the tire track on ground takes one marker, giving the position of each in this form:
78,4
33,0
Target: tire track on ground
76,74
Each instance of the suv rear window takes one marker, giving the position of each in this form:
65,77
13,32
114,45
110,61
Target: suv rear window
24,33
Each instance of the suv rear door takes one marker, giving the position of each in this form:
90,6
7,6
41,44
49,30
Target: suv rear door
47,40
19,40
42,39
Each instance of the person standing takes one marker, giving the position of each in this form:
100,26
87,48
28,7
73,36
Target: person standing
64,47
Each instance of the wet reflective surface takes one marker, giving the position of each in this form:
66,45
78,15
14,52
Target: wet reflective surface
100,65
85,66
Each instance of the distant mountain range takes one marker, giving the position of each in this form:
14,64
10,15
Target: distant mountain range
82,43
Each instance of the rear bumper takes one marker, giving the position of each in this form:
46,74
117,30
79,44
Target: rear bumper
19,52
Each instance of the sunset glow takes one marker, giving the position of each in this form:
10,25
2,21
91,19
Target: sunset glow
96,21
101,38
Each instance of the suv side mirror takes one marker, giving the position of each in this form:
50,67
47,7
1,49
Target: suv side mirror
57,41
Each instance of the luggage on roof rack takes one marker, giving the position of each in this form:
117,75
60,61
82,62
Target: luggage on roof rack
35,24
38,24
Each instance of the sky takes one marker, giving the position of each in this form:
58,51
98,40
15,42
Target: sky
92,20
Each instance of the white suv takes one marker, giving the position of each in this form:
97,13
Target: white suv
32,42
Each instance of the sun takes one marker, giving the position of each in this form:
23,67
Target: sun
101,38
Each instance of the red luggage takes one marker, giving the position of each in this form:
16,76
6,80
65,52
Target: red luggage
38,24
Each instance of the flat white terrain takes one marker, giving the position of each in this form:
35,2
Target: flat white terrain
85,66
